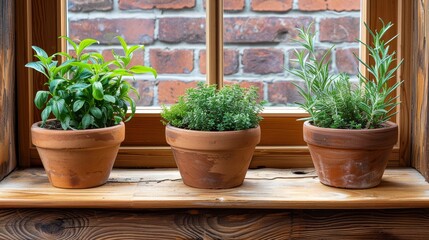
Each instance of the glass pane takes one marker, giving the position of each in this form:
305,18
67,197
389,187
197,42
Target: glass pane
259,41
258,36
173,33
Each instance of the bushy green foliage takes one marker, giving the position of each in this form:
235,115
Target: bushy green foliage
332,101
86,91
207,109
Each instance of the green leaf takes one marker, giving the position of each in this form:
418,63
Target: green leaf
117,119
46,113
65,64
125,87
53,85
143,69
78,105
123,43
132,106
38,66
78,86
97,91
41,98
82,65
40,52
96,112
84,44
109,98
70,42
65,124
58,108
87,121
133,49
64,54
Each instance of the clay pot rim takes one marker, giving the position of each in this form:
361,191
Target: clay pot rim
54,139
212,140
36,127
388,126
210,132
369,139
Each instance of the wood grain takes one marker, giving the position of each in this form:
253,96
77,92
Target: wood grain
420,88
213,224
7,88
404,74
214,43
262,188
37,24
24,79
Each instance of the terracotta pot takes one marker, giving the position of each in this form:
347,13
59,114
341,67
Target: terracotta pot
78,159
350,158
212,159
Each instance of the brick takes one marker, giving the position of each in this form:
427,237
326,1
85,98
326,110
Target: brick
271,5
312,5
230,61
343,5
172,61
263,61
231,5
138,56
179,29
319,54
247,84
263,29
105,30
283,92
346,61
159,4
170,90
236,30
146,91
344,29
89,5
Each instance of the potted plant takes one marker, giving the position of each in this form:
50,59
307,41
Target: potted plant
348,132
89,98
213,134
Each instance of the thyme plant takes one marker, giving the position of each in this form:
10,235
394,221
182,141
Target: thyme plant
86,91
332,101
207,109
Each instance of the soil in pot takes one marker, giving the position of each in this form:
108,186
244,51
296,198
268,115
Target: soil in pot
350,158
213,160
78,158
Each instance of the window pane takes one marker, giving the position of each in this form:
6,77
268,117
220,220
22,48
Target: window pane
258,36
259,41
173,33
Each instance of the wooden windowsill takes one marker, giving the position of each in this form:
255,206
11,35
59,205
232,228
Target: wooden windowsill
263,188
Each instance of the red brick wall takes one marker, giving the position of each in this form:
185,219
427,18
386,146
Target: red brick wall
259,40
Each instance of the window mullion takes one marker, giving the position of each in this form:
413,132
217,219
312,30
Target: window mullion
214,42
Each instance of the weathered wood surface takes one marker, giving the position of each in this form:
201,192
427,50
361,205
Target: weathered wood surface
420,100
39,23
7,88
404,74
213,224
263,188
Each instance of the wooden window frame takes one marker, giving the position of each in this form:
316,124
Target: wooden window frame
281,145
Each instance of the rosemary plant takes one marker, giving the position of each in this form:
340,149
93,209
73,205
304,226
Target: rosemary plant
332,100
